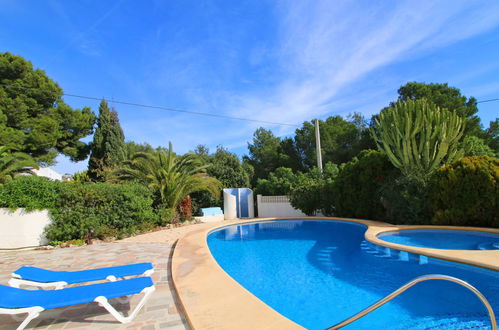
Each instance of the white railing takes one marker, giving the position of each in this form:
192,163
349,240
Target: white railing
276,206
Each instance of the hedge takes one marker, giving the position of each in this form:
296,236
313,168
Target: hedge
357,189
466,193
86,210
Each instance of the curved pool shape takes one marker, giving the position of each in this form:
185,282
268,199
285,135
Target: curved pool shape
443,239
319,272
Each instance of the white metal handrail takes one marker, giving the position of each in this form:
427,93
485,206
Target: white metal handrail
415,281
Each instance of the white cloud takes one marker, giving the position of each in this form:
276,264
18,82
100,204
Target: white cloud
325,46
322,50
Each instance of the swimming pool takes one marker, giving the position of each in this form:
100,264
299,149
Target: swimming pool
443,239
319,272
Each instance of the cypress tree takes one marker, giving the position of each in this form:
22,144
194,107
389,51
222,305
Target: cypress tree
108,146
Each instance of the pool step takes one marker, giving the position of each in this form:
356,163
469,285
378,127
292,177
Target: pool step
323,258
488,246
459,321
385,252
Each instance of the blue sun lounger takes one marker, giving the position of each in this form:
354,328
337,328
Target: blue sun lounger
44,278
19,301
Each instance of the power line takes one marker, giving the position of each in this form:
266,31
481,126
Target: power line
207,114
490,100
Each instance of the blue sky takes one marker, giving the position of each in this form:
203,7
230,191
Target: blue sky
281,61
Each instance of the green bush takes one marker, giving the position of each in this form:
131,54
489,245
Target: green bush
356,191
83,211
406,201
311,192
101,210
31,193
466,193
278,183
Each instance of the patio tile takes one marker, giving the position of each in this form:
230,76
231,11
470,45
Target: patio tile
160,312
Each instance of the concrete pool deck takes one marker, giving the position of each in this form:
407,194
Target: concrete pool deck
161,310
212,299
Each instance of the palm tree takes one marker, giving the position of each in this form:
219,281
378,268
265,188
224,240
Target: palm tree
171,177
12,164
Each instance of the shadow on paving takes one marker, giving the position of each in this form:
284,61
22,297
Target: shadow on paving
160,312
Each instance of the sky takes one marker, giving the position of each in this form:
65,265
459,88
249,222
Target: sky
278,61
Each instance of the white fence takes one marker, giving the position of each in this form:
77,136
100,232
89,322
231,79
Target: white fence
276,206
20,229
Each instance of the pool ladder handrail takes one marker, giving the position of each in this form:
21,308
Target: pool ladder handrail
408,285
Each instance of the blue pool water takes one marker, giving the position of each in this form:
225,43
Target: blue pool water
319,272
444,239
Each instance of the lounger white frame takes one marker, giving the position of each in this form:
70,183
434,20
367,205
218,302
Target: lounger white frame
34,312
16,281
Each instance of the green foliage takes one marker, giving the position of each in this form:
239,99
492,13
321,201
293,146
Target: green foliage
14,164
108,146
445,97
406,201
225,167
418,136
492,136
278,183
166,215
169,176
131,148
265,154
474,146
31,193
33,117
356,192
102,209
466,193
312,191
85,210
341,139
81,177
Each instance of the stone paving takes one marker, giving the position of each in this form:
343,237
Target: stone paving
160,312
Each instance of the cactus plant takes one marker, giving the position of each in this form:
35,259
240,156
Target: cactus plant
418,136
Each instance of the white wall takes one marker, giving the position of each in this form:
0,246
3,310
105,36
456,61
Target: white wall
20,229
276,206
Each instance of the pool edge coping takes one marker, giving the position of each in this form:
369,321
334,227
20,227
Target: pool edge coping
212,299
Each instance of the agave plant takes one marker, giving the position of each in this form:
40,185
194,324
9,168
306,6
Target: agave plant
171,177
12,164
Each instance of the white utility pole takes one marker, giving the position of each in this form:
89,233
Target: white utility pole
318,145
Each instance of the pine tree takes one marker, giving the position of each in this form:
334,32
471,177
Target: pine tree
108,146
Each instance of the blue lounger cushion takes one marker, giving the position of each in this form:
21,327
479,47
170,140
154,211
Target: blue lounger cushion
41,275
11,298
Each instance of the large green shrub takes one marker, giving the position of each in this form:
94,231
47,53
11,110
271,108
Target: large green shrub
356,191
31,193
101,210
86,210
405,199
278,183
311,193
466,193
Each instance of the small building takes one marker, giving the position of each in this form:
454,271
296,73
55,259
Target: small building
48,173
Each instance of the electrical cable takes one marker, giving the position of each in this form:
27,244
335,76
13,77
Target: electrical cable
158,107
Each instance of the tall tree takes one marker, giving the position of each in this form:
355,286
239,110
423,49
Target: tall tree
33,117
108,146
224,166
445,97
340,140
264,153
